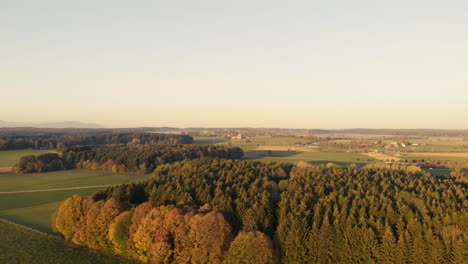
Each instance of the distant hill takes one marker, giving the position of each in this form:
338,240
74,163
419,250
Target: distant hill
65,124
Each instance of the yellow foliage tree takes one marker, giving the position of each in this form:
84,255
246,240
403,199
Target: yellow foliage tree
209,237
152,240
92,229
68,215
140,212
251,247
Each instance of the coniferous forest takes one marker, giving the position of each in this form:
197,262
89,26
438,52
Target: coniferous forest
117,158
213,210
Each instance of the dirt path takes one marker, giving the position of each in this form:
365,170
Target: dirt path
58,189
5,169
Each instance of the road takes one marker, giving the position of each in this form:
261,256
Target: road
58,189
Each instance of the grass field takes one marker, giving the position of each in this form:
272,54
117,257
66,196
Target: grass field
439,172
421,156
381,156
9,158
208,140
254,142
340,158
37,209
439,144
20,245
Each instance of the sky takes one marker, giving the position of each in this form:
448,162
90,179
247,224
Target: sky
292,64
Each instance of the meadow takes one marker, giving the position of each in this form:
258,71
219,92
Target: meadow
439,144
262,141
208,140
37,209
340,158
9,158
25,245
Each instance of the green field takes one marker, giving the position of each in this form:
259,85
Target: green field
341,158
439,172
23,245
271,153
9,158
439,144
37,209
253,142
208,140
430,157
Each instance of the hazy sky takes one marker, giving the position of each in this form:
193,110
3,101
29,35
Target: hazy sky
305,64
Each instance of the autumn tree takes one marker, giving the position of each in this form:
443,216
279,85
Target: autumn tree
68,215
119,231
251,247
140,213
152,238
99,218
209,236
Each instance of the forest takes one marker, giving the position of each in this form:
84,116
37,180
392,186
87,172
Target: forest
214,210
137,158
51,141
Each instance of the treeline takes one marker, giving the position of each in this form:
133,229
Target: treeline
58,142
36,131
41,163
160,234
438,164
347,145
317,214
138,158
130,139
17,143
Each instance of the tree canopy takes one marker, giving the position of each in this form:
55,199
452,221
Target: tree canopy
214,210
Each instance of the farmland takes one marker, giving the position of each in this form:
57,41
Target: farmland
342,158
37,209
9,158
439,144
267,141
351,148
208,140
26,245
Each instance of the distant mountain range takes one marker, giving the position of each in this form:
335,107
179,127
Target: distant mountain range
65,124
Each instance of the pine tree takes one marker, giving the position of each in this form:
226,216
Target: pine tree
386,253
